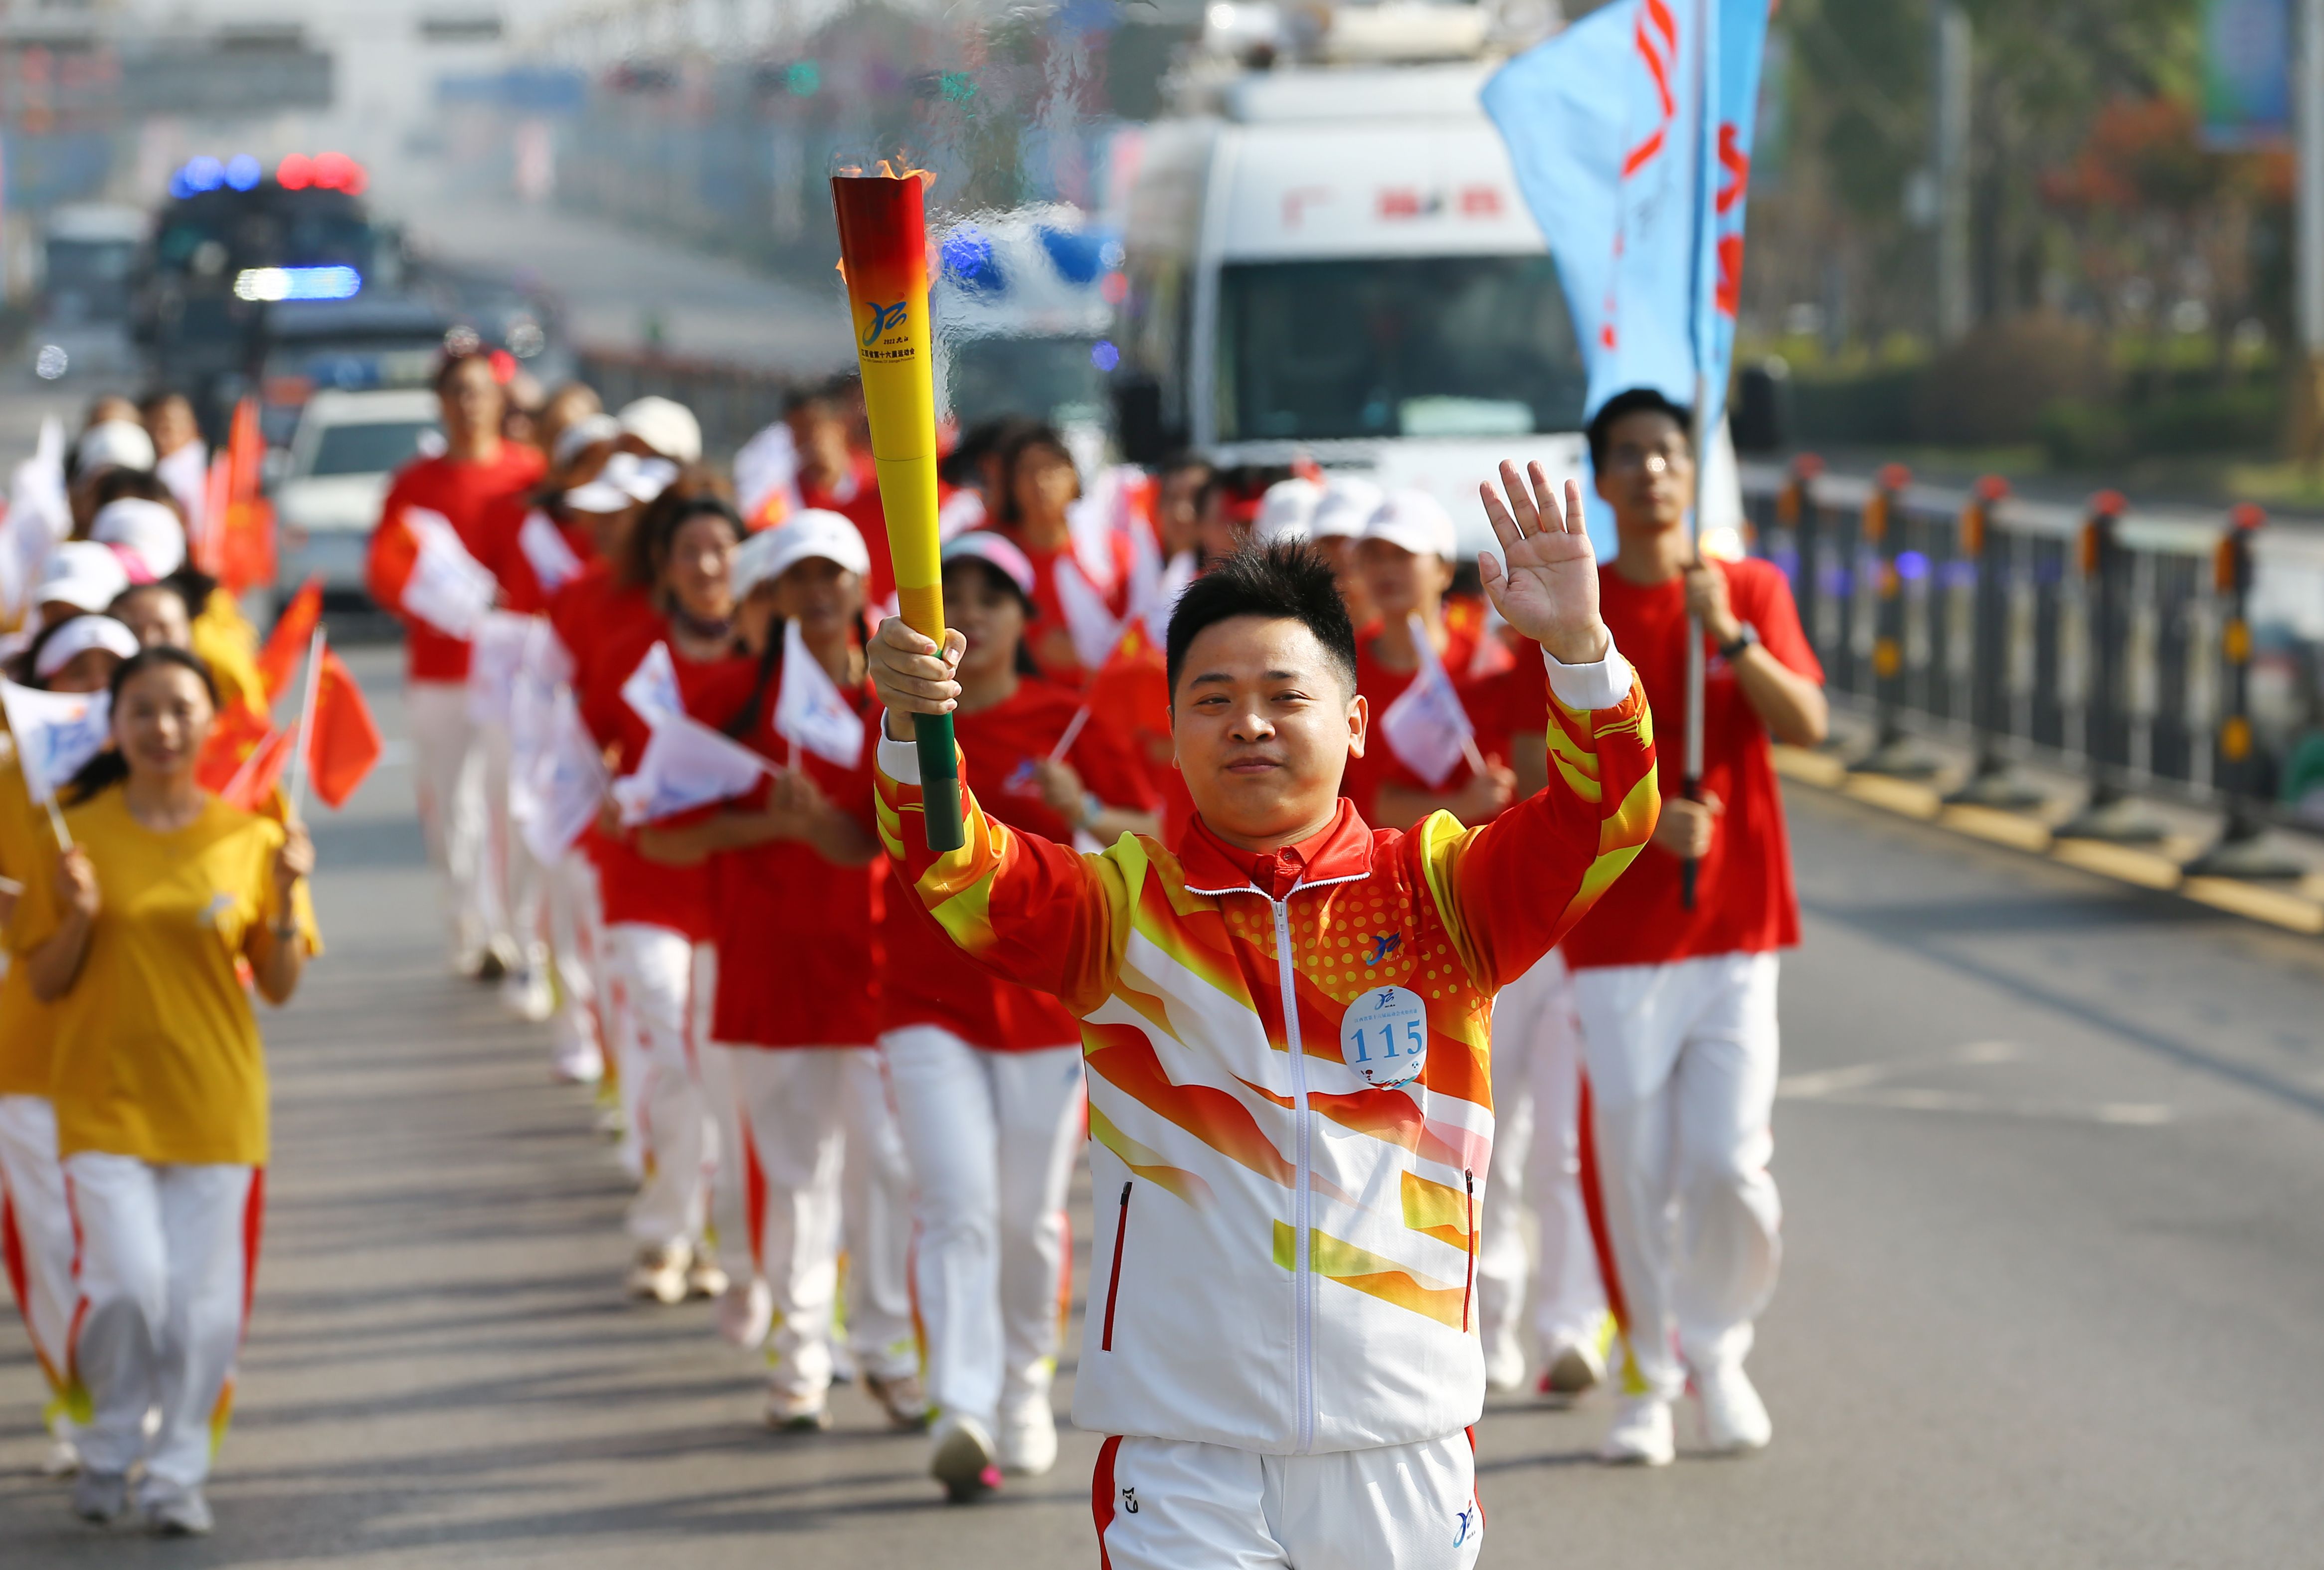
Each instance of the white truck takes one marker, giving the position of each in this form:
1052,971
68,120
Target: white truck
1332,260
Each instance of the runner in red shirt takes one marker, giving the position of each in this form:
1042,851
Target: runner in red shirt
796,879
1405,559
658,919
987,1074
1678,1006
465,484
1073,609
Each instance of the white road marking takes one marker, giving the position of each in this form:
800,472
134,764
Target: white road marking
1870,1085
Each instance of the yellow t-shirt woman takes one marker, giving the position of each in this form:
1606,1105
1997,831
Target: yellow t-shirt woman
28,855
158,1054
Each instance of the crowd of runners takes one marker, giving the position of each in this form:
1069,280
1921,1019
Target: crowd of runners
851,1080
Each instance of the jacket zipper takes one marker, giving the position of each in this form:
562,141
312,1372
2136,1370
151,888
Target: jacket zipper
1467,1288
1302,1281
1113,1282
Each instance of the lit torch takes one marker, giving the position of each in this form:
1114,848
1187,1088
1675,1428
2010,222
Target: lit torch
884,253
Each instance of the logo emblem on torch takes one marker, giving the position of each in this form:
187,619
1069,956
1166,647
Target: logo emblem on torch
883,316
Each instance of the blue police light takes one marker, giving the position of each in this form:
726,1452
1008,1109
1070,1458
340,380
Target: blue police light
273,284
244,172
198,175
968,257
1104,356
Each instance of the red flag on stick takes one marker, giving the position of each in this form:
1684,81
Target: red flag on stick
239,731
255,782
342,744
278,662
245,529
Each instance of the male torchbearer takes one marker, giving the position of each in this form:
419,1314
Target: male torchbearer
1677,998
1286,1019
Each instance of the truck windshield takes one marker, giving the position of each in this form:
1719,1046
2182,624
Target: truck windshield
1428,345
374,447
1054,380
88,280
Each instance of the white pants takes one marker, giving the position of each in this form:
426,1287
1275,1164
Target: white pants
1168,1504
991,1138
514,875
1536,1166
822,1161
576,949
1683,1062
668,982
36,1240
167,1256
448,770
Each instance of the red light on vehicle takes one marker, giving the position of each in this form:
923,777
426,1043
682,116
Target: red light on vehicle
330,171
1115,289
296,172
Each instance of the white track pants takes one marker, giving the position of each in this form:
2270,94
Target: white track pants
1536,1166
991,1138
1169,1504
36,1238
167,1257
518,878
1683,1062
667,980
576,949
448,770
822,1164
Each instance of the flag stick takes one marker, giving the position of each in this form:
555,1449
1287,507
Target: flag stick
301,766
1476,759
1699,437
57,822
1072,733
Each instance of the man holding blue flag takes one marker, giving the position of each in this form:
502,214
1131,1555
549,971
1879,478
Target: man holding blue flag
1630,134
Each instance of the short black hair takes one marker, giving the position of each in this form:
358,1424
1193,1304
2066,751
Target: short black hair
1620,407
1283,580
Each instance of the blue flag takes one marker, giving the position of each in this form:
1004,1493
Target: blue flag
1638,189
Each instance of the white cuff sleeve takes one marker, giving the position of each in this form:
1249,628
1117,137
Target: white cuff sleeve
900,760
1603,685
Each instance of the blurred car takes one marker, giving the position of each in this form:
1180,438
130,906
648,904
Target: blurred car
328,492
88,256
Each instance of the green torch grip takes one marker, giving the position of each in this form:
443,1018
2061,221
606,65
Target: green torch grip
939,781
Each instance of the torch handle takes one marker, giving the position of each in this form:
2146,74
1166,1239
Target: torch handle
939,781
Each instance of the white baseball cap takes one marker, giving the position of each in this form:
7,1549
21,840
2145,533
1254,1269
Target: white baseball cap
583,434
1287,510
113,444
1348,504
145,534
1416,522
78,637
624,482
667,427
816,531
84,575
995,550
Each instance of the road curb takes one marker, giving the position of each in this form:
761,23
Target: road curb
2294,908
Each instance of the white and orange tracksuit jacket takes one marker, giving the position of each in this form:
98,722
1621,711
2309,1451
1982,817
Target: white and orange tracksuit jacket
1285,1250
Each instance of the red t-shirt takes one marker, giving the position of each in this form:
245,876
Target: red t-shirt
798,937
1381,687
856,498
1048,635
1744,902
927,980
635,889
1501,707
472,496
522,588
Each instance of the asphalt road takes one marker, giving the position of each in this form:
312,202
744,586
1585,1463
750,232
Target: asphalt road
2050,1149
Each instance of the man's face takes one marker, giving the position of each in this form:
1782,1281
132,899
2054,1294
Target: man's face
172,425
471,400
1649,473
1177,517
1262,723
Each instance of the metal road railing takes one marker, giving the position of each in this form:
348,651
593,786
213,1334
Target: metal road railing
733,402
2168,653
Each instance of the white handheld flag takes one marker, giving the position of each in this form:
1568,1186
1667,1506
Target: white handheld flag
557,795
56,734
1094,629
552,561
1425,726
768,465
496,661
651,691
809,710
685,765
449,589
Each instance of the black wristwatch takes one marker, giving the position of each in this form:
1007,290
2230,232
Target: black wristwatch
1743,640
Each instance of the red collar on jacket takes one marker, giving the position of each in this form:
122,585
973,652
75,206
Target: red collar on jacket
1339,850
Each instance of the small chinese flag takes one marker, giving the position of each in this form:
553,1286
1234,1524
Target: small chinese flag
255,782
286,645
238,732
346,743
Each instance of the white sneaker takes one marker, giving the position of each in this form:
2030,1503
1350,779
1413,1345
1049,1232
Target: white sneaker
575,1059
1505,1365
525,992
1641,1435
63,1459
1574,1368
963,1459
659,1273
176,1512
704,1276
1735,1420
798,1414
1028,1437
746,1312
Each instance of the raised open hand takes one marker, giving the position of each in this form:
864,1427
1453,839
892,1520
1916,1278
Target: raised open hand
1546,582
